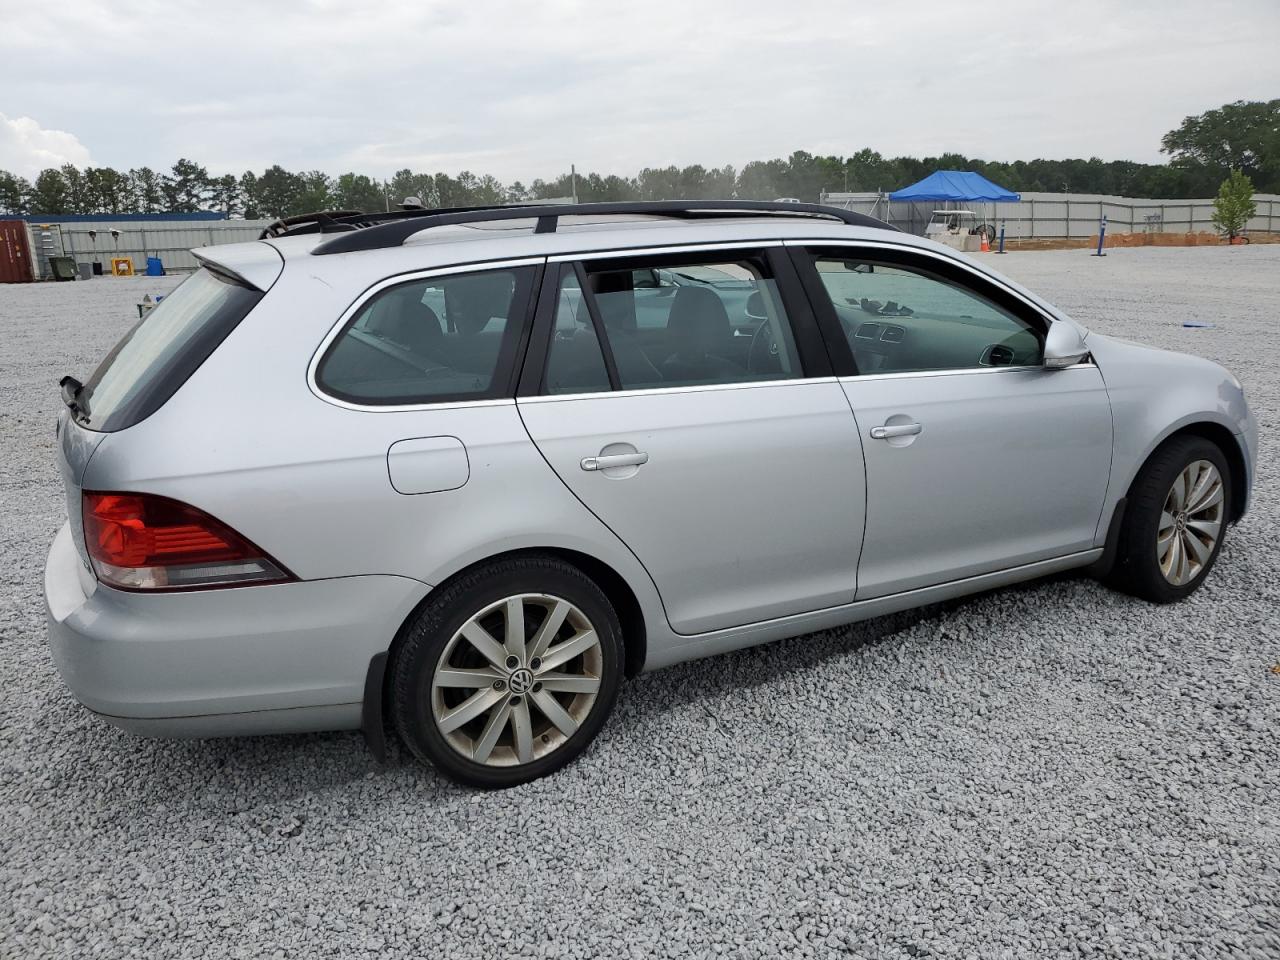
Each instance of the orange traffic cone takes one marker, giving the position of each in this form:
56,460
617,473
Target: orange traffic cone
986,247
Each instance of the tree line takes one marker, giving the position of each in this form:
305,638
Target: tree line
1241,136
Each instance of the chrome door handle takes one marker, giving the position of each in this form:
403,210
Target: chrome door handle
896,430
615,460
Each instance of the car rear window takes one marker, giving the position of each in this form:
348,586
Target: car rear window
165,347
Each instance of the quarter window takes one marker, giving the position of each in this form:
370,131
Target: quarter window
669,323
449,337
900,319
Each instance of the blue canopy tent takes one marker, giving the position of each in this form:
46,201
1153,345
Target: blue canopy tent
956,185
953,225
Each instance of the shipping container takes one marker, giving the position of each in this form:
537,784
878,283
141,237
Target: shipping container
15,253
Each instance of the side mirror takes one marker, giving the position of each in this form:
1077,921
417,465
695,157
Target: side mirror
755,307
1063,347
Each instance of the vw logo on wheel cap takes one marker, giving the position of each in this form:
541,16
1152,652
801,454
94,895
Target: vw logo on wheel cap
521,681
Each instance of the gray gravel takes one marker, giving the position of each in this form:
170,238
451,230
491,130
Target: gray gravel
1043,771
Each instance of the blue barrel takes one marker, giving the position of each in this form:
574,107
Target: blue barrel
154,267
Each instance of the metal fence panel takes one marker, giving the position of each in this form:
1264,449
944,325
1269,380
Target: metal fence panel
1059,215
171,241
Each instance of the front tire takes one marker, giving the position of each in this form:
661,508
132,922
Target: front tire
508,672
1175,522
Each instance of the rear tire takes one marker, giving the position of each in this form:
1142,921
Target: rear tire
508,672
1175,522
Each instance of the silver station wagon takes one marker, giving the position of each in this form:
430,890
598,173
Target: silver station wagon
457,473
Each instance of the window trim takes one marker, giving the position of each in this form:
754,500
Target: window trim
502,387
694,388
804,252
597,322
813,357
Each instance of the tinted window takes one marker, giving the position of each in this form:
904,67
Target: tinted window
168,345
672,324
575,363
898,319
443,338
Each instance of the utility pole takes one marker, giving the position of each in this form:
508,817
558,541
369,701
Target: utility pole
573,178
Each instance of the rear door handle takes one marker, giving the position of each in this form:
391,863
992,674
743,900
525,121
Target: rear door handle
896,430
615,460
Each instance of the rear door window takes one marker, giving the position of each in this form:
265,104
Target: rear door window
449,337
168,345
674,323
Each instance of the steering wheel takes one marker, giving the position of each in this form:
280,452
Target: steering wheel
762,356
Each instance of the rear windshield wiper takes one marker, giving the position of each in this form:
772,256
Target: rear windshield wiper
71,388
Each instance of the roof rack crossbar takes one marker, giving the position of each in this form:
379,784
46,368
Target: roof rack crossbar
378,231
306,223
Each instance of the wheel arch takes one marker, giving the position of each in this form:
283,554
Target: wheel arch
1222,438
620,593
1225,440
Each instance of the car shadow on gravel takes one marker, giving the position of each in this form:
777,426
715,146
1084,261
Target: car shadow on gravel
756,666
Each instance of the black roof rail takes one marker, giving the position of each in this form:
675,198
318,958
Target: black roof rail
377,231
341,221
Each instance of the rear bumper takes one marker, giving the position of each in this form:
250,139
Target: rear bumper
280,658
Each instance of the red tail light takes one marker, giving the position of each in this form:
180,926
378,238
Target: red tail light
139,541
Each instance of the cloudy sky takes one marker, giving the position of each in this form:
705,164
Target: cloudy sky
522,89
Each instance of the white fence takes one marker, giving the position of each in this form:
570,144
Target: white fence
1058,215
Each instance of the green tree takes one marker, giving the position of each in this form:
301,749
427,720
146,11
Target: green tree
78,199
1234,205
405,183
764,180
108,191
14,193
224,194
186,189
316,193
1244,136
49,193
148,190
276,193
251,195
355,191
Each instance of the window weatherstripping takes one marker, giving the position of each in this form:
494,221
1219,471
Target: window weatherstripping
1086,364
698,388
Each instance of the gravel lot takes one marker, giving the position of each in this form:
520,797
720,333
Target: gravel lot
1042,771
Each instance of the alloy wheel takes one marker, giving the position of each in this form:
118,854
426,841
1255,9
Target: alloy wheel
517,680
1190,522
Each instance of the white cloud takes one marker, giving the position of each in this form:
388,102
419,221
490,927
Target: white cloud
26,148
